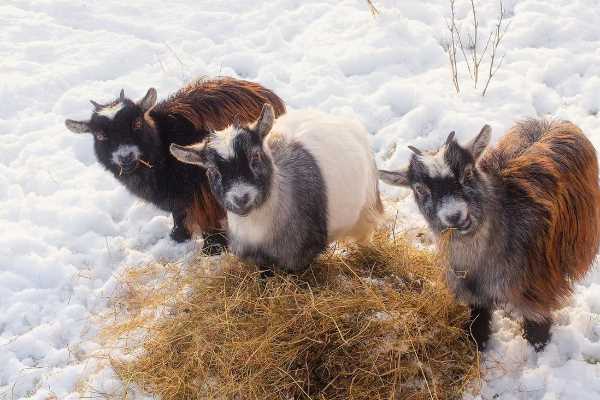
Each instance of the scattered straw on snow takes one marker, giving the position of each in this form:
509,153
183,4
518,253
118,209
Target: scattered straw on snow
362,323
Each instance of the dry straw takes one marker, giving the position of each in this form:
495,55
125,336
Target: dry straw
374,322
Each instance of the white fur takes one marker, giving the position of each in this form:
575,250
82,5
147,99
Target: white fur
123,151
342,151
451,206
252,229
436,165
110,111
239,189
223,142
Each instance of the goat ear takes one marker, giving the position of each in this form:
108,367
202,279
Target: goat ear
148,101
122,95
480,142
450,137
192,154
395,178
265,121
78,126
415,150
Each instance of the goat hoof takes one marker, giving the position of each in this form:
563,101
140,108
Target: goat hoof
180,234
214,244
537,333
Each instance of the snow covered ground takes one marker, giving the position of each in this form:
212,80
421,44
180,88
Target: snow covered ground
67,227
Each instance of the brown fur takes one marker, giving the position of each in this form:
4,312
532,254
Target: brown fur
553,168
214,103
205,214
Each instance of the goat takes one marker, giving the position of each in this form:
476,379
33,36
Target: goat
524,218
290,186
132,140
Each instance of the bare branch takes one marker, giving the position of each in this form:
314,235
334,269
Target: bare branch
475,42
498,35
372,8
451,46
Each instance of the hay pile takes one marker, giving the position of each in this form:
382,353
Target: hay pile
370,323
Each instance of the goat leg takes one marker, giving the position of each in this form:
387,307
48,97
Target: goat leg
480,325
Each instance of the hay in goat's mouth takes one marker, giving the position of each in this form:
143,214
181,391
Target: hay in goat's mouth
362,323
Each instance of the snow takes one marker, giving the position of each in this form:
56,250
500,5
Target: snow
67,228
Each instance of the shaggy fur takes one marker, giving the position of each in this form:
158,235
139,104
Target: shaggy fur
548,175
186,117
532,225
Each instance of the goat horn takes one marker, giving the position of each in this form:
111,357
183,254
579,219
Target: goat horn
450,137
96,105
122,95
415,150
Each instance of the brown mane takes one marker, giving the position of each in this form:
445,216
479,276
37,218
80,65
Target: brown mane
214,103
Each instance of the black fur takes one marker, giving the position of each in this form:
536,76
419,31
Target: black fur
168,184
480,325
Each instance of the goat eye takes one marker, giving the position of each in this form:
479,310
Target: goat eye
137,124
212,173
255,159
421,190
100,136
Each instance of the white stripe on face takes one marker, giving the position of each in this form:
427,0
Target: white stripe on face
222,142
123,151
450,208
110,111
436,165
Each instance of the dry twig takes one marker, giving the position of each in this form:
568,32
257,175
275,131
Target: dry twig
475,58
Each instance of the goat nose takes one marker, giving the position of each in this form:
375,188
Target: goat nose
454,220
241,200
127,158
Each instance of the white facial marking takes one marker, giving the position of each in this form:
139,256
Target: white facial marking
436,165
450,206
222,142
111,110
238,190
123,151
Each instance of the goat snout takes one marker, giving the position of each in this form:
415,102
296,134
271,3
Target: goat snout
455,219
126,159
454,213
240,198
126,156
241,201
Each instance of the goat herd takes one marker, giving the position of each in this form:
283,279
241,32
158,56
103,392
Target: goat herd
519,222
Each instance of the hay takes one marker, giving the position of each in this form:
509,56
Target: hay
362,323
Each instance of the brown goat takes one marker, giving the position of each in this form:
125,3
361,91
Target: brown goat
523,218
